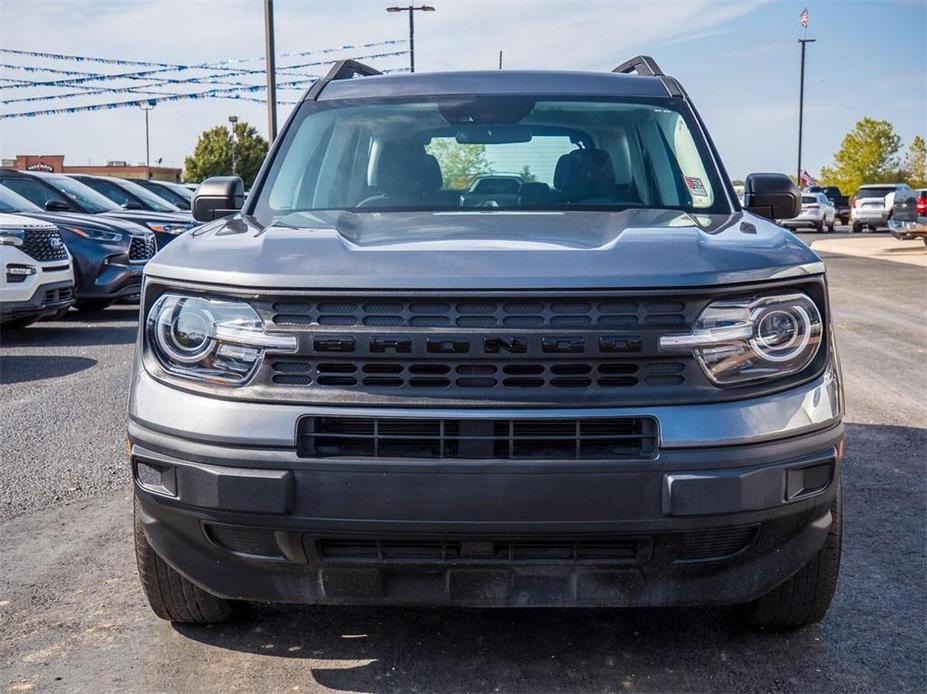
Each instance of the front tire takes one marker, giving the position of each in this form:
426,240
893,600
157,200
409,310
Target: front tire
857,228
170,595
819,227
91,305
806,596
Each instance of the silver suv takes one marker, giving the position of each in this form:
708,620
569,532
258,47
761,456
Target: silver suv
612,387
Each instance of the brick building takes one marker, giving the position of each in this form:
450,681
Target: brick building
54,163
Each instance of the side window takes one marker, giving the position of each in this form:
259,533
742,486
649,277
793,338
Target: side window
35,191
110,190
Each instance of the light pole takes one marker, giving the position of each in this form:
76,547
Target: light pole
233,120
801,102
270,63
146,107
411,9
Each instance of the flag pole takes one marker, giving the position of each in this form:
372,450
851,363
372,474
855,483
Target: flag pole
801,90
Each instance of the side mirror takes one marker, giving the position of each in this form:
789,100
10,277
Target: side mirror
132,205
772,195
216,197
56,206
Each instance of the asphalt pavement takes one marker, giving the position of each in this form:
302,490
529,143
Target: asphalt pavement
73,618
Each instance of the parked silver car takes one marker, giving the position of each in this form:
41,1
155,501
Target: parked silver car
872,205
817,211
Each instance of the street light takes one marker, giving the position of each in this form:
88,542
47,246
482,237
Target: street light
146,107
411,10
233,120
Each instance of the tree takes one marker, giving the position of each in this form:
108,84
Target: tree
460,163
868,154
915,163
212,155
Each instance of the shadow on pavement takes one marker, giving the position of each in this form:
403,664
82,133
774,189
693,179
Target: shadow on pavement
861,643
22,369
67,334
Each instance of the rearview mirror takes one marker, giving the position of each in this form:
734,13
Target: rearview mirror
216,197
492,134
772,195
56,206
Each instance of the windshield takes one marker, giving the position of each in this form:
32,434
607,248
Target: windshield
874,192
85,196
153,201
14,202
508,152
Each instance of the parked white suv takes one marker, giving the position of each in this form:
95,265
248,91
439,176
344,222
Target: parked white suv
817,211
872,205
36,277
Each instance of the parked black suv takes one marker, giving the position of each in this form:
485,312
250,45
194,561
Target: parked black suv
606,385
61,193
108,254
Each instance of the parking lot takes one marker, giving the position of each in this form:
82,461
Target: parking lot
73,617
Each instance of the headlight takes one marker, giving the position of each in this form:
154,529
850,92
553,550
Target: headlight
168,227
210,339
753,338
11,237
92,233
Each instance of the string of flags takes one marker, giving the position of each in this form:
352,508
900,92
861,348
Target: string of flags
224,77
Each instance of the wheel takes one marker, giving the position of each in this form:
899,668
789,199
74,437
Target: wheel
857,227
830,227
805,597
88,305
19,323
819,226
170,595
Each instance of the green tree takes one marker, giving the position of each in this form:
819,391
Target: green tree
526,174
915,163
460,163
868,154
212,155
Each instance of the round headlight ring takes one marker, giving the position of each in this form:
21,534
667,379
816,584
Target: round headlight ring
797,342
177,326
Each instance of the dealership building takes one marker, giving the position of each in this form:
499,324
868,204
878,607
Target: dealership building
54,163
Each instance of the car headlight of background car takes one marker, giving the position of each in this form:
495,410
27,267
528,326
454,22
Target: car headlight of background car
168,227
752,338
94,233
210,340
11,237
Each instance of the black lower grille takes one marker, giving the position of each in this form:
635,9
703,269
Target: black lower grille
537,439
44,245
604,551
718,543
54,296
141,248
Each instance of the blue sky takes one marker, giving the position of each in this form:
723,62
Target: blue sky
738,61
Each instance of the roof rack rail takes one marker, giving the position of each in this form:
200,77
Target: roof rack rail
642,65
342,70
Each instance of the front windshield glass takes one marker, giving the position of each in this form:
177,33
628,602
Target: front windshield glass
153,201
85,196
490,153
11,201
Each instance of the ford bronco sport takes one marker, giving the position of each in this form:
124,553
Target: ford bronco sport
608,386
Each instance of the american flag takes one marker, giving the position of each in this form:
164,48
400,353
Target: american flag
804,18
806,179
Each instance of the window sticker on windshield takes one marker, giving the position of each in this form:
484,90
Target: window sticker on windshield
695,185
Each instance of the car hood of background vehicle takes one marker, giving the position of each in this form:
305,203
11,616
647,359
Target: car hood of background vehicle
142,216
486,250
94,221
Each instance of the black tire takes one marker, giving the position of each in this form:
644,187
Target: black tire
170,595
89,305
19,323
819,227
830,227
857,228
806,596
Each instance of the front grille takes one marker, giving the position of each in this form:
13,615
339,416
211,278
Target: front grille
44,245
527,313
516,439
606,551
54,296
715,544
471,375
141,248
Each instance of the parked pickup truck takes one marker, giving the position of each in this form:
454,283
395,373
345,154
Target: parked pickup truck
615,386
909,219
840,201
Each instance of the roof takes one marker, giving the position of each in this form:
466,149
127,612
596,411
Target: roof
496,82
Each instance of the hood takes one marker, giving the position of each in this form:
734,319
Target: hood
487,250
94,221
142,216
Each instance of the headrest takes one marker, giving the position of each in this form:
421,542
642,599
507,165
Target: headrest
405,167
585,173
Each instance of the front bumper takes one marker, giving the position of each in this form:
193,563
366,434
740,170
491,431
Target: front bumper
47,299
737,500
